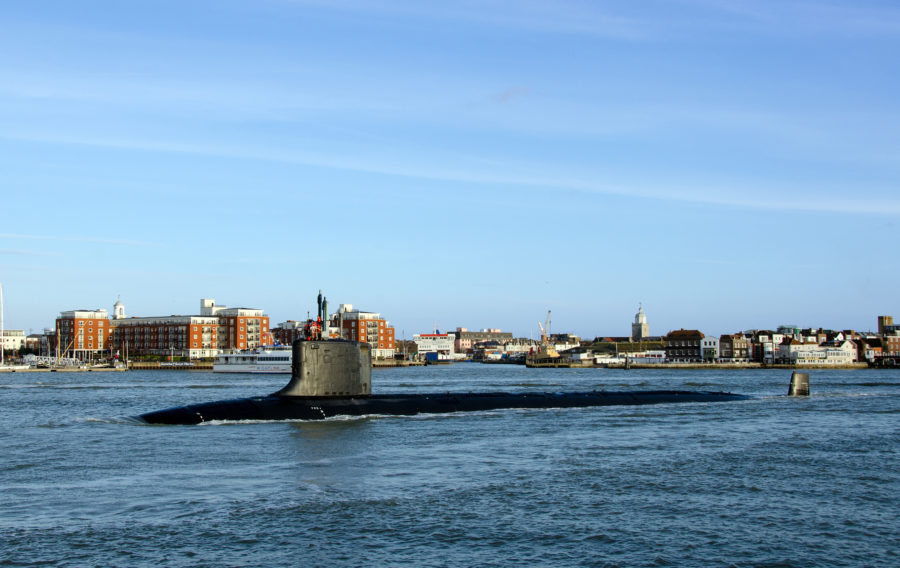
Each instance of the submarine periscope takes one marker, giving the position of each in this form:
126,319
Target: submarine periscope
333,378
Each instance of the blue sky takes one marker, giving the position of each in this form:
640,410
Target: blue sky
729,164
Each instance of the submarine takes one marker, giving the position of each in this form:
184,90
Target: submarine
333,378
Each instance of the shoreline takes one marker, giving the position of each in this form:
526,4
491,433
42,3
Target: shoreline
736,366
396,364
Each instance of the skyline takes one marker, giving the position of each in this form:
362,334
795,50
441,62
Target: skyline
730,165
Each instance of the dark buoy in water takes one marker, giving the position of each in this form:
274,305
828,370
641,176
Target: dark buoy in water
799,384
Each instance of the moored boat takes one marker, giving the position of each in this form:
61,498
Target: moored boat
273,359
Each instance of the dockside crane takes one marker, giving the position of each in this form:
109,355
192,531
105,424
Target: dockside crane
545,330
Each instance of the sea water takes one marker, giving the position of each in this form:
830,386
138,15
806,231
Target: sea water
770,481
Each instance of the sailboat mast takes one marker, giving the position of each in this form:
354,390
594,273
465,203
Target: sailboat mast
2,333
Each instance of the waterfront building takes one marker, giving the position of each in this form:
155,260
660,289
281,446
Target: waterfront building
519,346
82,334
346,323
184,336
891,343
890,335
487,351
465,340
13,340
440,343
286,332
33,342
245,328
683,346
765,346
869,348
886,325
813,335
640,329
564,341
791,349
650,356
789,330
709,349
48,342
839,352
366,327
217,328
735,348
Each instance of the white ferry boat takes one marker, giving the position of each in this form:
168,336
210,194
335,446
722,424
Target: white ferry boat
262,360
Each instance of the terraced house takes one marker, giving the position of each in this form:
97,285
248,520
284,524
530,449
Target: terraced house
684,346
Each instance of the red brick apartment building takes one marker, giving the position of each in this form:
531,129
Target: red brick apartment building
287,331
193,336
367,327
81,334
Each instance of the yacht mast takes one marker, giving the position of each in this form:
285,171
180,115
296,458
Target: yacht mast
2,341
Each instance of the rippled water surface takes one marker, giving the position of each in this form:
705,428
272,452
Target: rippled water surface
771,481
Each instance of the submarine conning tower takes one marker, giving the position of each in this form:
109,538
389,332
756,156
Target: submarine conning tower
329,368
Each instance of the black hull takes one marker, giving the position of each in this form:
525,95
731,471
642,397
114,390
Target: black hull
314,408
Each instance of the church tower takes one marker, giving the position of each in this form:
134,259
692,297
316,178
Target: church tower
118,309
640,329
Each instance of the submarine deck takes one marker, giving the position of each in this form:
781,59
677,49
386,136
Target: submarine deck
317,408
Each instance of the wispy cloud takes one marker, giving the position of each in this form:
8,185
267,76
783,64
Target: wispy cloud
80,239
535,176
648,20
557,16
19,252
792,17
510,94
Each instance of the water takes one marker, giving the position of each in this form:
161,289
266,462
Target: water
771,481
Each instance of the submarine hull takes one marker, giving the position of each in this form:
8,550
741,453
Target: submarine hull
275,407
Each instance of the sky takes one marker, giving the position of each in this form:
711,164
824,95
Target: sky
728,165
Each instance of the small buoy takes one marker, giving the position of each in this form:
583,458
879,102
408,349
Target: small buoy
799,384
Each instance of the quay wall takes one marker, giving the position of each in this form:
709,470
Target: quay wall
715,366
157,366
64,370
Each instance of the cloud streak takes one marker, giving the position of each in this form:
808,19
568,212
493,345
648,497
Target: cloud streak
510,175
20,252
80,239
559,16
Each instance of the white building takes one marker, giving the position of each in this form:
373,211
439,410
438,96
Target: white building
640,329
769,343
709,348
13,339
644,357
440,343
838,352
119,309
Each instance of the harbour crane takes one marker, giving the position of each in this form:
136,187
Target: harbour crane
545,330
